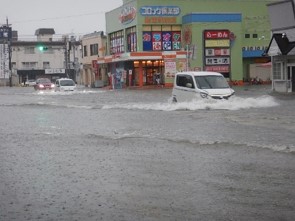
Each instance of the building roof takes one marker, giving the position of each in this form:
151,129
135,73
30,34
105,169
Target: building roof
45,31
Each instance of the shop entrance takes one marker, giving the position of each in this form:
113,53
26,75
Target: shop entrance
152,71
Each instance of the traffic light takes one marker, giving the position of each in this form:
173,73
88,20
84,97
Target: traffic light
42,48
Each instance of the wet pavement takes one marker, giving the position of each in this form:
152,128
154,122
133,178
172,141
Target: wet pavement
100,154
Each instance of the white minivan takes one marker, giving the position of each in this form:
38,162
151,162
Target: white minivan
65,84
194,85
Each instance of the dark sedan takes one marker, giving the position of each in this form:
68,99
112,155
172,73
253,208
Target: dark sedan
43,84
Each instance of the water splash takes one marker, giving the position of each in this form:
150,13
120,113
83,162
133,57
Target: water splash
235,103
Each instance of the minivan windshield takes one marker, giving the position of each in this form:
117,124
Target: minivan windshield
211,82
67,83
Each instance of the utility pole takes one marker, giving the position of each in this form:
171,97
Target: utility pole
9,52
73,39
66,56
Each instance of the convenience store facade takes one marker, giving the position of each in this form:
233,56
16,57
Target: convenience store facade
148,38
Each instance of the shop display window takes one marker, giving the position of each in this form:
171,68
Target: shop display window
161,38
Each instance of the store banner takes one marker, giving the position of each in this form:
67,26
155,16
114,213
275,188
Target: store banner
4,61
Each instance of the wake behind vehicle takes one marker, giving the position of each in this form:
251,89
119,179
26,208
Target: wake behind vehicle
192,85
65,84
43,84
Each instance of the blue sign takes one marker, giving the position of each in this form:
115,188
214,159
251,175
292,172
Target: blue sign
160,11
5,32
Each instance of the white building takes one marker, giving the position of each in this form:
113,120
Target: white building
46,56
282,45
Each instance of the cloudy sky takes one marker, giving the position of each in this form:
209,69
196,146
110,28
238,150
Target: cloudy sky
65,16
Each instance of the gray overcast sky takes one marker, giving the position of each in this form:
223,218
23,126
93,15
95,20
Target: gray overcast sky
65,16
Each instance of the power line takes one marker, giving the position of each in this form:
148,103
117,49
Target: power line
57,18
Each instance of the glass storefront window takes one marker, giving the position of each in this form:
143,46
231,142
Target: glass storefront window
117,42
131,39
136,64
162,38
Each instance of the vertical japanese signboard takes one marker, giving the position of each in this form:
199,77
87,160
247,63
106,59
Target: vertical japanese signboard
4,61
217,51
5,36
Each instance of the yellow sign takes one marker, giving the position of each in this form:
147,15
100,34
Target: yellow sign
217,43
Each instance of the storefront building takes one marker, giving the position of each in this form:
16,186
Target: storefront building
93,46
149,40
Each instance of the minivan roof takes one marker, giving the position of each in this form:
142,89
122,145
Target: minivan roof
200,73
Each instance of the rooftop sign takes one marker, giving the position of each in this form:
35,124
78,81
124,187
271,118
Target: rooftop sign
159,10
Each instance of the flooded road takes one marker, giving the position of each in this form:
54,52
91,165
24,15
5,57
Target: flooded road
100,154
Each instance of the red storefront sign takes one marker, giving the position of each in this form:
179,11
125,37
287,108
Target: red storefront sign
217,34
220,69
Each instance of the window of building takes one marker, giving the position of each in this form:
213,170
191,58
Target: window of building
277,71
166,28
161,38
176,28
147,28
85,51
117,42
131,39
29,65
156,28
46,65
247,35
93,49
255,36
29,50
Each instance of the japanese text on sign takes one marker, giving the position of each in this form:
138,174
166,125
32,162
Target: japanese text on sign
217,52
217,60
215,34
217,43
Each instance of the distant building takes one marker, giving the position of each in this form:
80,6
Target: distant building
44,57
93,47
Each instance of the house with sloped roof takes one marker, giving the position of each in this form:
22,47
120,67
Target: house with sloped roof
282,45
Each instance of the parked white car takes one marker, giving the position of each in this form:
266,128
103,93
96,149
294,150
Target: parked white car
30,82
65,84
190,86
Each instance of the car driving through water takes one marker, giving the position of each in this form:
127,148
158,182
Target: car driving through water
189,86
65,84
43,84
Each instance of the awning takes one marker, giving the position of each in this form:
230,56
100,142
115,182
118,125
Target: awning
131,56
